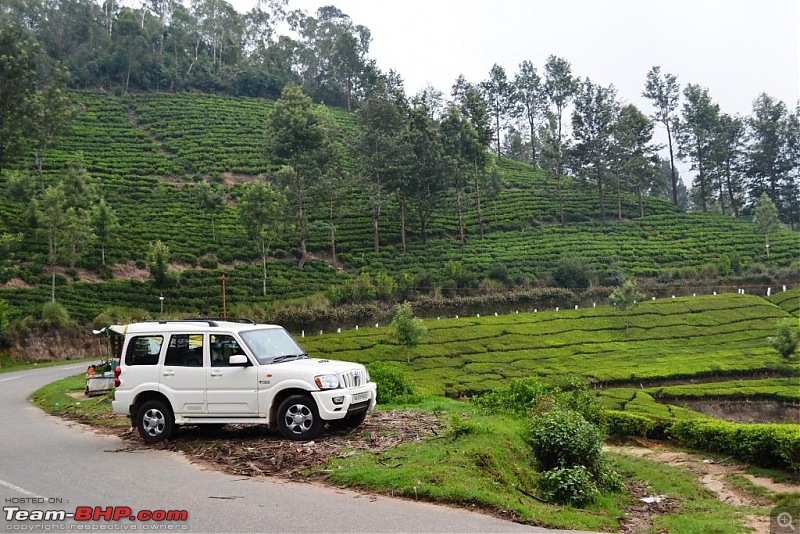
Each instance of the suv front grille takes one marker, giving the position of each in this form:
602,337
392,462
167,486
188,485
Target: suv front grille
353,379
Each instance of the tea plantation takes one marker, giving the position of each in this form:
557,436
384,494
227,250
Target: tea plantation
147,152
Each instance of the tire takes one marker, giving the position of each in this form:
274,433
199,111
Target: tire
349,422
298,418
155,421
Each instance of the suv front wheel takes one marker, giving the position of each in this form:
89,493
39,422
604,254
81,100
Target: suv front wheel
155,421
298,418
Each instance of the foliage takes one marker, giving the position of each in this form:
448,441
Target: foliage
394,387
56,316
3,317
158,257
786,340
562,438
572,273
408,330
768,445
766,216
569,485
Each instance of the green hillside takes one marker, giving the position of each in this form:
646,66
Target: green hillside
146,153
668,338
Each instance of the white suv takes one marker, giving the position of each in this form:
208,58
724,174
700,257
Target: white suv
215,372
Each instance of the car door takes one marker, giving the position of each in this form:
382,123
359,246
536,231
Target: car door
183,373
232,390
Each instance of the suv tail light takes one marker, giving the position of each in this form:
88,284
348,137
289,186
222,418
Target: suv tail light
117,372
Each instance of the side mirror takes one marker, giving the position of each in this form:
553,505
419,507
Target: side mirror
238,360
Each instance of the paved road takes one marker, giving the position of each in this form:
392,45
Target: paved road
48,464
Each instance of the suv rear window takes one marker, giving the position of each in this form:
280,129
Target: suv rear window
143,350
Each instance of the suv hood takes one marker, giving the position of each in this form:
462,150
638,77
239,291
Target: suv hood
320,366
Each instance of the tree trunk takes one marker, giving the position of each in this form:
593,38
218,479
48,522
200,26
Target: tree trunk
639,196
333,234
672,165
478,200
403,222
460,197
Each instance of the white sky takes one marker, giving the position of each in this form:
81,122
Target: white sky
735,48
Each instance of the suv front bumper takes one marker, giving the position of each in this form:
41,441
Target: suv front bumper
352,397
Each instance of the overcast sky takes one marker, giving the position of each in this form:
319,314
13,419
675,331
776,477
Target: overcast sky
735,48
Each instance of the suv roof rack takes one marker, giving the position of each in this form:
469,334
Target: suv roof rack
212,321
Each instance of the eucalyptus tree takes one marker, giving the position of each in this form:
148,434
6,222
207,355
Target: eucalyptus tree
664,92
105,223
635,156
210,200
63,211
500,100
726,165
769,159
18,88
475,110
765,214
426,181
262,213
459,142
560,87
334,57
696,131
530,93
593,123
301,137
384,144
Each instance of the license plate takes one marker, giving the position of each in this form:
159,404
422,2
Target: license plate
360,397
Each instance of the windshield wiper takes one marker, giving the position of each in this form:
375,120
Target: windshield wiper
288,357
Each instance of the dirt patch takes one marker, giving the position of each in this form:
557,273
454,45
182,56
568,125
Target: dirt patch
229,178
246,450
129,271
714,476
16,283
639,517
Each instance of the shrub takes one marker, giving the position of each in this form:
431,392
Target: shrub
54,315
393,386
618,423
518,397
562,438
572,273
568,485
785,341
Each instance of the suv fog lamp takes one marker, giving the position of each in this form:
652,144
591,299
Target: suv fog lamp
327,381
338,400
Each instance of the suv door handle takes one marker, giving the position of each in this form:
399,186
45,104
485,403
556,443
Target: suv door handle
215,373
169,373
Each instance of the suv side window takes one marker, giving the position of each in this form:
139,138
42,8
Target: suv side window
223,347
143,350
185,350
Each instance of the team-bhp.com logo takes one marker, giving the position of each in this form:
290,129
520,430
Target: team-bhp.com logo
90,515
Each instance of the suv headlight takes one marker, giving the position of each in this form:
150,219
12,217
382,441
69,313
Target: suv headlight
327,381
366,372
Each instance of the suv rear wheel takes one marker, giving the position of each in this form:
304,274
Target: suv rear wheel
298,418
155,421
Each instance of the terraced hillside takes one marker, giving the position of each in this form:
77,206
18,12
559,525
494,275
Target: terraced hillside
147,152
666,339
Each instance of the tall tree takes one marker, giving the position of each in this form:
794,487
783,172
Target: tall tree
105,224
766,216
635,155
699,117
593,127
426,183
475,110
560,87
383,140
262,210
531,95
664,92
300,137
211,200
459,143
500,99
726,162
769,157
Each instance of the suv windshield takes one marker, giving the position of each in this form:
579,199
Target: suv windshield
272,345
